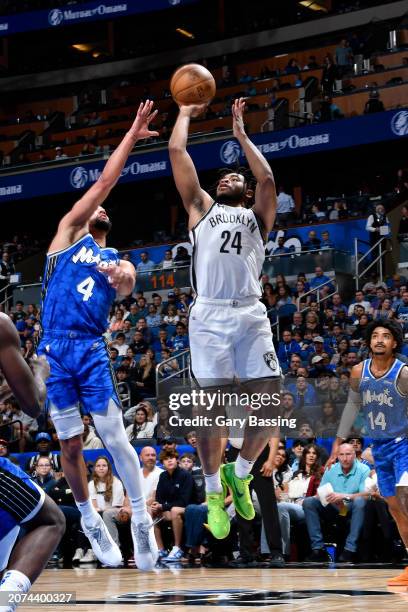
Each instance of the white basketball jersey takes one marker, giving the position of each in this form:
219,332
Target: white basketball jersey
228,253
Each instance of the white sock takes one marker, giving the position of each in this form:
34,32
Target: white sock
88,512
13,580
243,466
213,482
139,513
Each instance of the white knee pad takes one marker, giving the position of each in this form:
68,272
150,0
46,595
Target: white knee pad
67,421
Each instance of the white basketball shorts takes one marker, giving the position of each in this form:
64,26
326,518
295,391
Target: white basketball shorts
231,338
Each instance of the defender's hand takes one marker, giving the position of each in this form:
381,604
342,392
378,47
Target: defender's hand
238,109
140,127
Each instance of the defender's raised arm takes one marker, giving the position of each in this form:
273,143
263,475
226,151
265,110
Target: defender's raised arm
75,221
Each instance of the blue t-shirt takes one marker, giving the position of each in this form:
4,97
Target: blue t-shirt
179,343
353,482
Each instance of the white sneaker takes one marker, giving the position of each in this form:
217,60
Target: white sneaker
145,547
88,557
79,553
175,555
102,543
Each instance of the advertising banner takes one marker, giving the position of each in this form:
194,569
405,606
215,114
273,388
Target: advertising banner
317,138
81,13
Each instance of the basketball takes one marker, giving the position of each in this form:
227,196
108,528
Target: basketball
192,84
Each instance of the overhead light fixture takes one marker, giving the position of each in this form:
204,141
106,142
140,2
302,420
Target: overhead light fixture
313,6
83,47
185,33
282,55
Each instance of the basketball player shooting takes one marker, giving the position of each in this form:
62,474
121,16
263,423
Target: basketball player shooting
22,502
230,335
80,283
380,385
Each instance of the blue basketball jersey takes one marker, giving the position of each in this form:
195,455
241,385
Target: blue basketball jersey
75,295
384,407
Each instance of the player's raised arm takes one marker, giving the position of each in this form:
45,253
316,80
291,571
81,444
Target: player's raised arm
265,194
349,413
28,389
82,210
196,201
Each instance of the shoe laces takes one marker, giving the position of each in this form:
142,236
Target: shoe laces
98,534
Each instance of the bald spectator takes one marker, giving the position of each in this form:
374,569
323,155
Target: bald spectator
150,473
312,243
347,479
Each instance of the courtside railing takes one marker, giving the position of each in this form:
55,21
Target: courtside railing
382,250
180,375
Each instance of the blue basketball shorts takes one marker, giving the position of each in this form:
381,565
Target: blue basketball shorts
391,462
80,371
20,500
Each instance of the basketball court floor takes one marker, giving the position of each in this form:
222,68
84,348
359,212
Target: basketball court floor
326,589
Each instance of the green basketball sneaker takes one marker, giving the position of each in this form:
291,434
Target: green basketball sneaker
218,519
241,494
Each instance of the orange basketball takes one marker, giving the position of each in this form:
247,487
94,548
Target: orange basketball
192,84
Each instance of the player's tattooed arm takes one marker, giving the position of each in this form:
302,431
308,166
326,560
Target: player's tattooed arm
402,383
83,210
196,201
265,193
28,387
349,413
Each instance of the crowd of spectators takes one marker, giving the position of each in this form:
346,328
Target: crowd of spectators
335,78
14,250
318,345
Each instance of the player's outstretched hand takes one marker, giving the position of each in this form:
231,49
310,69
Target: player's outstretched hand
193,110
238,109
113,273
145,116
